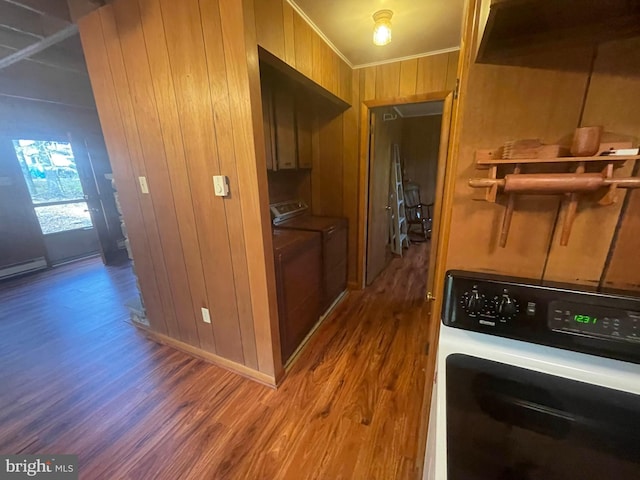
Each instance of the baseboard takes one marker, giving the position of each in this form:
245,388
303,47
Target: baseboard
234,367
22,268
296,354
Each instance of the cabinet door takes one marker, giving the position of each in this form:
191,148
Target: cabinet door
269,131
304,124
286,148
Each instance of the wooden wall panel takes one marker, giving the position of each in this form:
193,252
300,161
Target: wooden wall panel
434,73
147,125
408,77
270,27
241,58
504,103
169,120
327,174
452,70
388,80
127,113
350,170
303,37
94,46
219,84
289,34
612,101
20,235
187,57
419,150
184,111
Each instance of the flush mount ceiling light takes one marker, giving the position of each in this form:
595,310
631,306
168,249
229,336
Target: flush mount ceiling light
382,27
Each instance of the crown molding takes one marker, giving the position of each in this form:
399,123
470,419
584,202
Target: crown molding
410,57
315,28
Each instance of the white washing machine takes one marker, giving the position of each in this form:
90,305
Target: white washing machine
534,382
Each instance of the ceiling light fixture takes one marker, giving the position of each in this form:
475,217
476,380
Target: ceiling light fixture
382,27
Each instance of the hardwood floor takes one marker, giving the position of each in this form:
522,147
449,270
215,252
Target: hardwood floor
76,378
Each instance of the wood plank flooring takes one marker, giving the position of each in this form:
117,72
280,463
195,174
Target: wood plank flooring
76,378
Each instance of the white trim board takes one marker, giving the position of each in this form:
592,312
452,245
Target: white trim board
409,57
30,266
315,28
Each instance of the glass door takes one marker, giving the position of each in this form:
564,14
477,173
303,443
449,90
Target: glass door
51,174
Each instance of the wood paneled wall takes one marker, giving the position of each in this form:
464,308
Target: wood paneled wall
505,103
419,149
433,73
334,188
177,90
285,34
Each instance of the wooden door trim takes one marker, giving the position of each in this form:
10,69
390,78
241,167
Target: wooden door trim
468,44
363,167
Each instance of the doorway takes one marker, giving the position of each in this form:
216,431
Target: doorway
406,161
55,187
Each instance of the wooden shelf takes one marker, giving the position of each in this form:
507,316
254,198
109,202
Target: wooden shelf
488,162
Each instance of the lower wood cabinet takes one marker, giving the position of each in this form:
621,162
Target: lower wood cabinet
299,278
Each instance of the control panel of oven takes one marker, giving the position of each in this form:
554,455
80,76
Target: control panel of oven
553,315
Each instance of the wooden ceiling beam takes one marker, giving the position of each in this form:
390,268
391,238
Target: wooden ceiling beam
21,20
38,46
36,81
15,40
80,8
55,8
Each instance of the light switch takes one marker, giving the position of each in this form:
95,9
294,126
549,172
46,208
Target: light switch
143,184
206,316
221,185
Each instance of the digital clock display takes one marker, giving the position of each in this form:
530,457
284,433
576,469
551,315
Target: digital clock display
587,319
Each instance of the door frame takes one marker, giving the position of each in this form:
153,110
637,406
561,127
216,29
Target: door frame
364,166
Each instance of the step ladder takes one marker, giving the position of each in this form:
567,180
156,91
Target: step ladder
398,231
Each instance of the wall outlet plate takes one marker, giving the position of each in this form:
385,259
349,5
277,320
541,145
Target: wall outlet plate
206,316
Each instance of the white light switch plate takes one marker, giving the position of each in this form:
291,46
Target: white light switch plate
144,188
221,185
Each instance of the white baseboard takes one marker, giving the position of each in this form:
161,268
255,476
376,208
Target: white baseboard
30,266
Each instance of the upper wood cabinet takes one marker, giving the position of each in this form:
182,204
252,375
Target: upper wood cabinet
268,123
304,124
285,127
288,125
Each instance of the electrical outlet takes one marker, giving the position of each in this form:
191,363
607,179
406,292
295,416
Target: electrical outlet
144,187
206,317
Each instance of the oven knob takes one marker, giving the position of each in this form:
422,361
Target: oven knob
507,307
473,302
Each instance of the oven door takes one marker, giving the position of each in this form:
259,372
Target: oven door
513,414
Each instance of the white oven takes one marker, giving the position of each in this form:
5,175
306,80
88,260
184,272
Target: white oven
534,382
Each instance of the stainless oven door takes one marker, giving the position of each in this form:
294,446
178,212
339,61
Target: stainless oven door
510,423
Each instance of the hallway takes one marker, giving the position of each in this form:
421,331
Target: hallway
78,379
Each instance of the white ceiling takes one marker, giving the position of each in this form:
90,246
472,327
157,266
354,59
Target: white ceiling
418,27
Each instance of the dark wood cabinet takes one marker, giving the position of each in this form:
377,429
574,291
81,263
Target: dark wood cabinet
288,123
298,265
304,129
268,124
335,263
285,127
